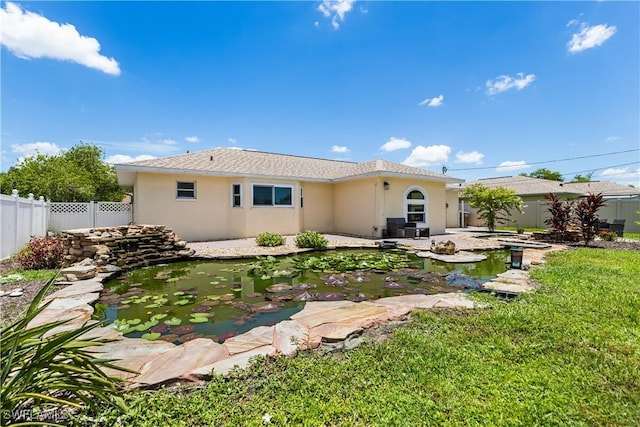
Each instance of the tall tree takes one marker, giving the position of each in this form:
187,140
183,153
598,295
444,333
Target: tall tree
493,204
583,178
76,175
544,173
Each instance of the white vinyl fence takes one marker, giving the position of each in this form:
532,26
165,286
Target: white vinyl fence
21,219
68,216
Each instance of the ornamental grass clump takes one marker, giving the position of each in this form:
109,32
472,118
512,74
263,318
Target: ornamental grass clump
42,370
270,239
311,239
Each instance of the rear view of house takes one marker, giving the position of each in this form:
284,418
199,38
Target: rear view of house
228,193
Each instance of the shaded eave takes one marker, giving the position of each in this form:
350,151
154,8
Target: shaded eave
126,175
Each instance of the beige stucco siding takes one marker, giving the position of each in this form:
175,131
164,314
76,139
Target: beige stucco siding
205,217
356,207
394,201
453,209
317,213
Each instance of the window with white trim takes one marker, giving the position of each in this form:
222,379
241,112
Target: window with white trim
236,195
185,190
272,195
416,206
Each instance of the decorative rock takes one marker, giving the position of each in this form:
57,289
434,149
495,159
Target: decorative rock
447,248
16,293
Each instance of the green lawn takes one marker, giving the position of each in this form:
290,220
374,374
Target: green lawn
567,355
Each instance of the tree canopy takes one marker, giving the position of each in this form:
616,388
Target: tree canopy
583,178
544,173
493,204
75,175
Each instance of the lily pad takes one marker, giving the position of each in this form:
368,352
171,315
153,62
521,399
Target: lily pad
214,283
199,319
173,279
227,297
142,327
154,305
182,302
213,297
151,336
134,321
200,309
169,338
160,329
254,295
159,316
178,293
174,321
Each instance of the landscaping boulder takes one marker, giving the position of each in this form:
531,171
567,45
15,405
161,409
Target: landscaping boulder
444,248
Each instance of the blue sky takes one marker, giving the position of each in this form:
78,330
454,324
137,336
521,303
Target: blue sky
485,88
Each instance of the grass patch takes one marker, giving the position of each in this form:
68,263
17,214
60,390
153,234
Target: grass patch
568,354
30,275
632,236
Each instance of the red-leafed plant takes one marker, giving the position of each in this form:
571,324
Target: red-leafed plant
587,214
42,253
560,211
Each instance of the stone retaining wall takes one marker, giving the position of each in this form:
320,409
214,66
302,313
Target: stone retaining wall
127,247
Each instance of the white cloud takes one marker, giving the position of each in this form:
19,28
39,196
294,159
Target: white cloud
29,35
433,102
168,141
232,141
30,149
123,158
192,139
504,83
512,166
339,149
589,36
427,156
622,176
336,10
394,144
471,157
611,138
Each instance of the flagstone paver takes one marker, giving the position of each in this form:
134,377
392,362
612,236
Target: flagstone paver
256,337
179,361
241,360
290,336
459,257
76,289
71,302
316,313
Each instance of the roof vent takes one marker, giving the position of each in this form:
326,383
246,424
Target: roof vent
211,158
379,164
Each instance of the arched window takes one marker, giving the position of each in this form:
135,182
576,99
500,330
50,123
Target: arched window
415,205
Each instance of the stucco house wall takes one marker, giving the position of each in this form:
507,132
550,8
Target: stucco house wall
329,196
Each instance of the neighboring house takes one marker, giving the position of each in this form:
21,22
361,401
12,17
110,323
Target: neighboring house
228,193
622,201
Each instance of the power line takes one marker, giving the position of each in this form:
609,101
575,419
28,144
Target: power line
606,167
553,161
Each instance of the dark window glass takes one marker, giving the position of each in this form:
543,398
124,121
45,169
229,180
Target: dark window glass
186,190
262,195
415,194
282,196
237,198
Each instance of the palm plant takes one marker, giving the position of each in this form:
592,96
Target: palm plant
560,215
39,372
587,214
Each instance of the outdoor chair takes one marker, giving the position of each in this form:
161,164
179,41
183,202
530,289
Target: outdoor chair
395,227
617,226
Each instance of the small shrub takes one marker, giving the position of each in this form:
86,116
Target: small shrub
609,236
311,239
42,253
270,239
587,213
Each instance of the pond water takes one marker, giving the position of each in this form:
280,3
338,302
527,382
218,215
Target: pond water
219,299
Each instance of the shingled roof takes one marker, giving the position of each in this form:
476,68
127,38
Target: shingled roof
249,163
528,186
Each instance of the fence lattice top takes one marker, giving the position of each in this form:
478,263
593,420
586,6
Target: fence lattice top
114,207
70,208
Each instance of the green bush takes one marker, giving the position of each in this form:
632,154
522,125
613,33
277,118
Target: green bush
270,239
42,253
311,239
41,369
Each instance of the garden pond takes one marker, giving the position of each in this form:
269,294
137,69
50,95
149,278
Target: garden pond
218,299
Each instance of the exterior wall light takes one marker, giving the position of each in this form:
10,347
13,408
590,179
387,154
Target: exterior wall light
387,185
